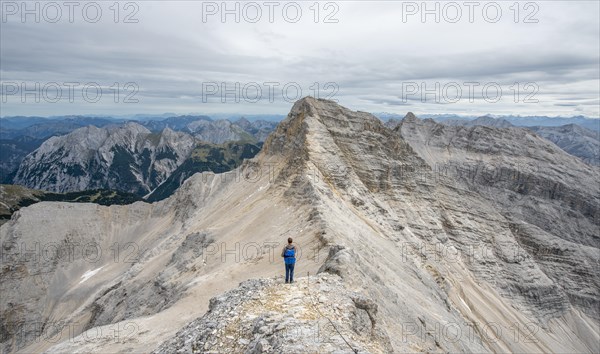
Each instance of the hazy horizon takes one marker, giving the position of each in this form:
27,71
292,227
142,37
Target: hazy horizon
219,115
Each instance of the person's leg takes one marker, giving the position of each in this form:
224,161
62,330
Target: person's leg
287,273
292,272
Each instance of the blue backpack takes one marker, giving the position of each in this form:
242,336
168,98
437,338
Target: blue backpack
289,256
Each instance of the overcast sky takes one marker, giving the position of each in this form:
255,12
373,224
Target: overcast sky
376,56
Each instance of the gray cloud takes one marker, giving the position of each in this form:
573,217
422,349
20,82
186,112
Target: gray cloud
370,54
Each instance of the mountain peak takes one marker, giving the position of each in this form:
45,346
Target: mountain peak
311,104
410,117
340,145
490,121
318,118
243,122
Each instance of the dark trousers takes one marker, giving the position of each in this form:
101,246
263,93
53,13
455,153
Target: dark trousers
289,272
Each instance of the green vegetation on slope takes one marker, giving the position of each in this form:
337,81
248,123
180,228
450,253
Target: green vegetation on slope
218,158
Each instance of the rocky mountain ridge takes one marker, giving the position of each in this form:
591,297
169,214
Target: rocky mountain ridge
466,239
590,123
572,138
129,158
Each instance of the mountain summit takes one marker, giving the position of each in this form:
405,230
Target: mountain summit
423,238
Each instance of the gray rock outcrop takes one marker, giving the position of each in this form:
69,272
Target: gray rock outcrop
315,314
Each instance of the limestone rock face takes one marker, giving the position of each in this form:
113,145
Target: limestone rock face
548,199
432,238
516,168
572,138
128,158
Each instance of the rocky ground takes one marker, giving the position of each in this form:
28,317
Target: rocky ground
315,314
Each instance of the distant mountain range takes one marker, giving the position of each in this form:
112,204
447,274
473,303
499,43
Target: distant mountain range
521,121
20,136
110,160
39,127
152,156
129,158
486,121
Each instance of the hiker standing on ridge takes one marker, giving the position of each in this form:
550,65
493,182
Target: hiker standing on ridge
289,257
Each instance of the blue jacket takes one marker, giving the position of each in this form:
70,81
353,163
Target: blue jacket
287,258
